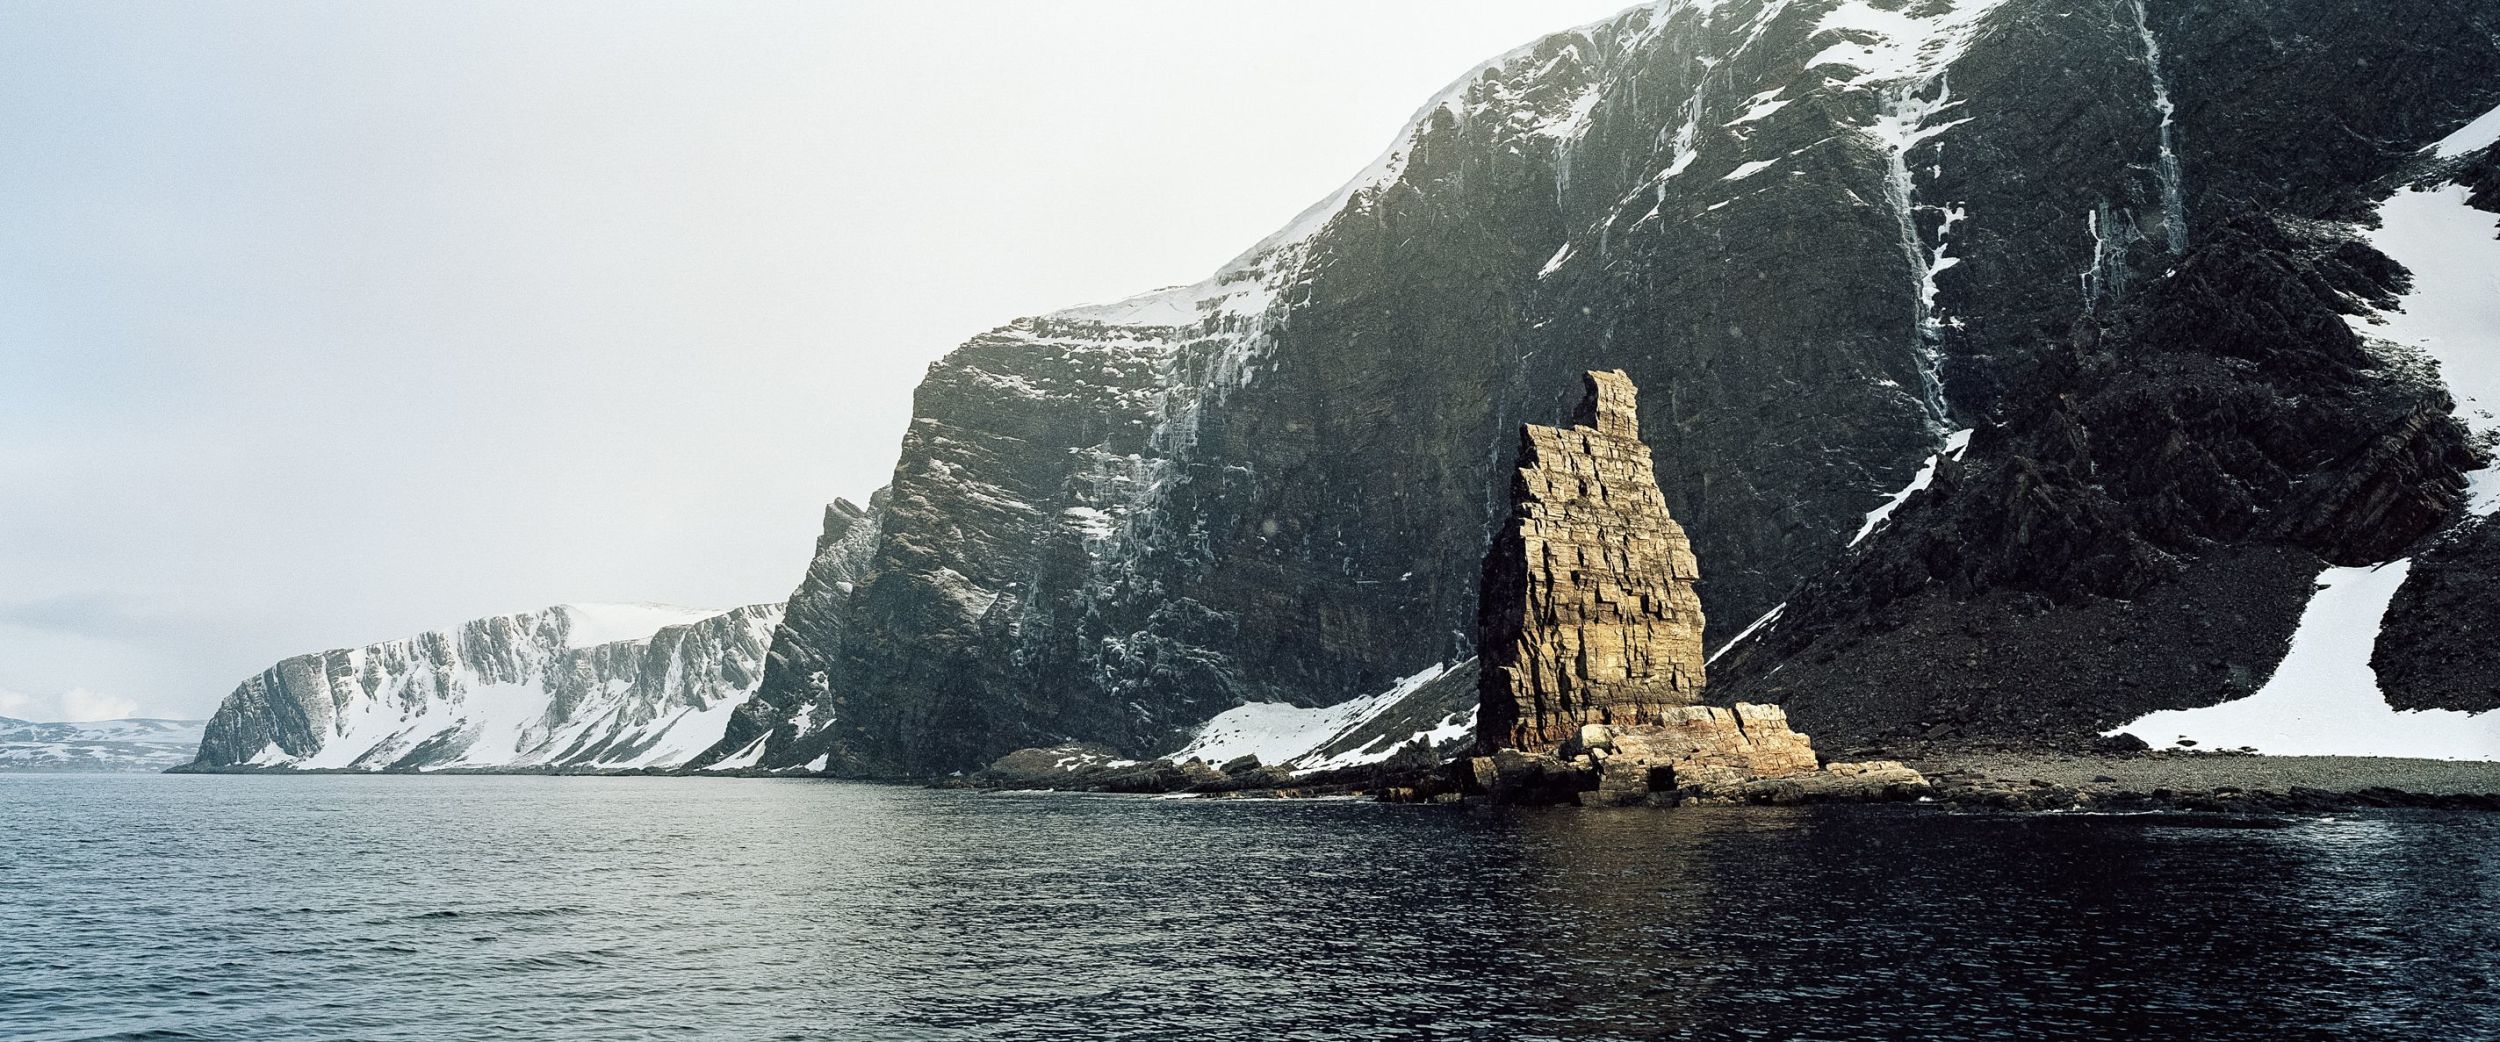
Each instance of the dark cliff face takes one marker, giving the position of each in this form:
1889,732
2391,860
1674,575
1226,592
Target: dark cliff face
2141,530
796,683
1821,234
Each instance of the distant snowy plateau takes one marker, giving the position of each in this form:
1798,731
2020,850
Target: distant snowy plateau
104,745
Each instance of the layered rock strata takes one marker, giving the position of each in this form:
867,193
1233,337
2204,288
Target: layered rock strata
1589,613
1591,634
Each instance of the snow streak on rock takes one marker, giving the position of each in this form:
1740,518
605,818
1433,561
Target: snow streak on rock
1686,144
2173,200
1769,618
1953,449
1907,60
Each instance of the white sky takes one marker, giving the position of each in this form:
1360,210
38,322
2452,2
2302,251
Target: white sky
328,323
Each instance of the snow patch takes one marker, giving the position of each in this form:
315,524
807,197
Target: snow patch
1382,748
590,625
2480,134
2453,310
2482,492
743,758
1904,47
1762,109
1561,257
1093,523
1746,170
2324,700
1279,733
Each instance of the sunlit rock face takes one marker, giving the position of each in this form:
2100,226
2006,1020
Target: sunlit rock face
1589,611
1823,234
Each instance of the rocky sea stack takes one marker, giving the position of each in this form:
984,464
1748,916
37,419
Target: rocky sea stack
1593,671
1589,613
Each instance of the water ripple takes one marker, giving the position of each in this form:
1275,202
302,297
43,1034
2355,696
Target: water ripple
614,910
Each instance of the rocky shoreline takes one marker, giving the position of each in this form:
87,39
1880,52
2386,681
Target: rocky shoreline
2204,781
1990,778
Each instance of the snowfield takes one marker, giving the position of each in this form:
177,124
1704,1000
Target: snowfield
2324,699
1296,737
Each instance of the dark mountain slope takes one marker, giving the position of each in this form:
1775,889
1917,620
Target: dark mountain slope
2142,530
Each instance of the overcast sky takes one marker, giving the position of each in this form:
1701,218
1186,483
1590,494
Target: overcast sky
324,323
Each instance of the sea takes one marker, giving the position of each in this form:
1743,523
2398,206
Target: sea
279,908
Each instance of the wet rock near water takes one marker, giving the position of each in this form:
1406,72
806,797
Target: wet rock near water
1701,755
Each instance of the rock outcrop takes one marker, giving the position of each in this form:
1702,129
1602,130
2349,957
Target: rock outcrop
1696,754
1591,634
1588,613
783,721
2142,530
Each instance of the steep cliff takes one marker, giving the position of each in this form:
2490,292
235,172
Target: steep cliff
1826,234
574,686
779,722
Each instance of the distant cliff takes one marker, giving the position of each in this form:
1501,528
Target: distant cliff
571,687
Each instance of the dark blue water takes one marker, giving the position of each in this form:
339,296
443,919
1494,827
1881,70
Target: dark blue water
621,909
